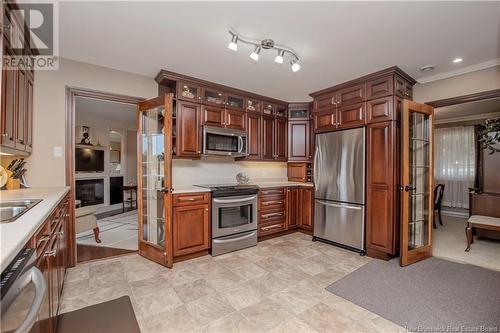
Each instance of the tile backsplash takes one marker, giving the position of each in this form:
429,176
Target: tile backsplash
215,170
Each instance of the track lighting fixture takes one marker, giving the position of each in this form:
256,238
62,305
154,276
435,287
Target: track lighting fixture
265,44
279,57
255,54
232,44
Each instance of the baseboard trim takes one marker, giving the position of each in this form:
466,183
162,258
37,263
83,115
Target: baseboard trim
454,214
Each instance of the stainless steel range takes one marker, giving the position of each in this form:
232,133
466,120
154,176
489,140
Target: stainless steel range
234,217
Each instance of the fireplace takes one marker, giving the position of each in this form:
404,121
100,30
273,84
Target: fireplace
90,191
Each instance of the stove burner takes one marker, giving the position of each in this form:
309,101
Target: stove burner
229,190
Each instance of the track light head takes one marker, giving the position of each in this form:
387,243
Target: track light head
255,54
295,65
279,57
232,44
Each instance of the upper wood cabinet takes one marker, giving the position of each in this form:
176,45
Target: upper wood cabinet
380,87
281,110
378,110
350,95
268,109
297,172
188,91
299,140
280,139
254,105
219,117
274,138
235,119
188,127
254,136
352,115
268,139
235,102
213,97
325,121
9,112
402,87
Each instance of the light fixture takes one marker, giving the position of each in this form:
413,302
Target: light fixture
457,60
265,44
255,54
232,44
279,57
427,68
295,65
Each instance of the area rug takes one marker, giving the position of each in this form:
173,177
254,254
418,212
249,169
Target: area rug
116,316
433,295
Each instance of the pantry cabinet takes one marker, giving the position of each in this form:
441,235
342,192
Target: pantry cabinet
274,138
188,126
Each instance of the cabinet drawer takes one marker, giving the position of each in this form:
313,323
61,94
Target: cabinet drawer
41,238
273,202
268,216
272,191
189,199
272,227
351,115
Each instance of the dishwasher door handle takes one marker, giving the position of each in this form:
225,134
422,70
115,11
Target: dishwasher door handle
33,275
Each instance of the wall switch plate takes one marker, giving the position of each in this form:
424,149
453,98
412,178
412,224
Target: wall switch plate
57,151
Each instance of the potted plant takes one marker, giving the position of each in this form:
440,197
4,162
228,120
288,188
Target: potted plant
489,135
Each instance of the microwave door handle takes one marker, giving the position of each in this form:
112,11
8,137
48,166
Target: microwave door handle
233,200
33,275
240,144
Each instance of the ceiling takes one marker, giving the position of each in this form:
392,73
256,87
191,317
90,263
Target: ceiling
336,41
106,111
470,110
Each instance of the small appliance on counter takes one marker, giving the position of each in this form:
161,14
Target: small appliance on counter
234,217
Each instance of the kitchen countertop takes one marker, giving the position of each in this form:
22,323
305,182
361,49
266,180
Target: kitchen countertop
189,189
262,184
15,235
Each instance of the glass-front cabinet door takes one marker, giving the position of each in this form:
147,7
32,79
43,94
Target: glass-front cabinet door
417,182
155,179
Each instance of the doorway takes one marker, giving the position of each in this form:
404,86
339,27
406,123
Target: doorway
101,169
462,166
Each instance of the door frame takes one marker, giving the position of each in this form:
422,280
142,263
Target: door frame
71,94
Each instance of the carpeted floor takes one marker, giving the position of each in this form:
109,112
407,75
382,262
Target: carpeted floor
449,243
431,295
118,231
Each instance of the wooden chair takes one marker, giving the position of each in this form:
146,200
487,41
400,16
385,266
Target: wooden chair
438,198
484,216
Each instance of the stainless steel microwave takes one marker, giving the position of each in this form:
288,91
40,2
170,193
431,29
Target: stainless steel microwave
224,142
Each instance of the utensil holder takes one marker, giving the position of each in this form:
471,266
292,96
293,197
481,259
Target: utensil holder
12,183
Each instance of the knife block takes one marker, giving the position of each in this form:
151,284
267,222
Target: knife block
12,183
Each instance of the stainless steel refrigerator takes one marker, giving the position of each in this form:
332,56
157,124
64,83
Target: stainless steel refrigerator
339,179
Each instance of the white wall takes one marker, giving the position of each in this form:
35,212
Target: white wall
49,111
470,83
131,156
214,171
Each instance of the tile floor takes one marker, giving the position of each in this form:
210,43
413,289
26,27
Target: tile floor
277,286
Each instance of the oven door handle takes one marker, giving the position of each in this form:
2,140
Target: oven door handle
233,200
229,240
32,275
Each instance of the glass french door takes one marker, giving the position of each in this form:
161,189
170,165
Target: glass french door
417,182
155,179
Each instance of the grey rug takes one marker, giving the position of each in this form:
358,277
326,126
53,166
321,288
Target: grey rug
431,295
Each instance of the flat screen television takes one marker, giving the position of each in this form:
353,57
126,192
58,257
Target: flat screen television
89,160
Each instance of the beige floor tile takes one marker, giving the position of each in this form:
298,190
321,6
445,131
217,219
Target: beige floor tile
108,294
266,314
178,320
103,268
232,323
243,295
231,260
76,288
249,271
72,304
141,272
174,277
163,300
329,276
295,300
323,318
191,291
271,264
224,281
269,282
149,286
379,324
293,325
292,274
106,280
209,308
80,272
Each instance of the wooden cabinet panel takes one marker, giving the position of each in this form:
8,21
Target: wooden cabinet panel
324,103
297,172
324,121
380,87
188,91
44,323
254,136
350,95
21,110
254,105
267,138
281,139
402,88
29,116
213,116
379,110
188,129
191,229
351,115
273,227
235,102
306,208
213,96
271,191
235,120
380,222
293,207
298,140
9,92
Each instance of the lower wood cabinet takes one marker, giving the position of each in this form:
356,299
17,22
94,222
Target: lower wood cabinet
254,136
191,223
50,242
306,203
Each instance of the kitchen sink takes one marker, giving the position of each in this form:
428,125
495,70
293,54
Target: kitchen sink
11,210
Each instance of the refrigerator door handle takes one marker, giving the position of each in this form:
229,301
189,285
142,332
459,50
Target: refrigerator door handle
331,204
315,167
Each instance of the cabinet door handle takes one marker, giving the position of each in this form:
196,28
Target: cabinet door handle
272,227
5,134
271,215
187,199
44,238
60,233
51,253
267,203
